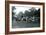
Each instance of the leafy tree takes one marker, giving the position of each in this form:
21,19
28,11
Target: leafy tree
37,13
26,13
13,7
32,10
20,14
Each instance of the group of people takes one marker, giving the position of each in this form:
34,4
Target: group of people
25,19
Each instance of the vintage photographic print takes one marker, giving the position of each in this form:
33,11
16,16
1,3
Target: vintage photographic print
24,17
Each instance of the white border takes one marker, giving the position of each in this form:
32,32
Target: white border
25,29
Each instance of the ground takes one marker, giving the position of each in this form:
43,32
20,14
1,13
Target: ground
23,24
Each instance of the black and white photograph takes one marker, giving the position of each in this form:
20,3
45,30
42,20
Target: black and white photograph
25,17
